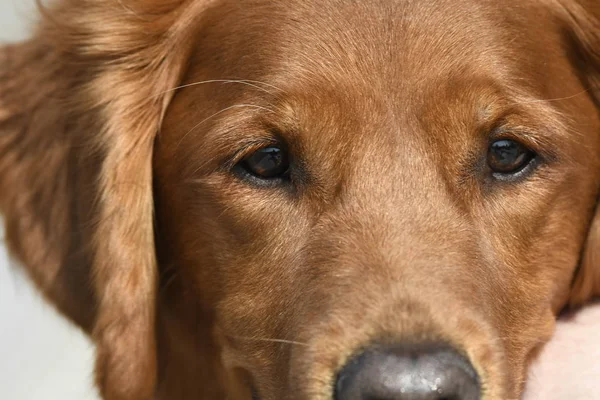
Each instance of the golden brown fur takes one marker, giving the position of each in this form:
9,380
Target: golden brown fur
119,201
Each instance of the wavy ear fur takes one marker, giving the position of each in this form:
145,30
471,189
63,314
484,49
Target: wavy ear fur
581,19
587,281
80,106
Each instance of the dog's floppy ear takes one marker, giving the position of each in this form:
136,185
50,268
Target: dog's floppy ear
587,280
80,106
581,22
581,19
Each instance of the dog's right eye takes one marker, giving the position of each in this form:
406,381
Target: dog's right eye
267,163
508,157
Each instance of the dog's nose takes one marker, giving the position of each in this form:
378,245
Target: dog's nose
417,372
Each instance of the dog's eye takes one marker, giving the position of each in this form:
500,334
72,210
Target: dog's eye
508,156
267,163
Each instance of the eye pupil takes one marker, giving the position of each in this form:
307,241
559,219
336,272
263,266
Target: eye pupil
267,162
508,156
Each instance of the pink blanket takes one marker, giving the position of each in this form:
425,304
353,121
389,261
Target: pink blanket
569,366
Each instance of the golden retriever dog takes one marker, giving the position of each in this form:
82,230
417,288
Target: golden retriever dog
337,199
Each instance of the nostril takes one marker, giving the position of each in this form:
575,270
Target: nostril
408,372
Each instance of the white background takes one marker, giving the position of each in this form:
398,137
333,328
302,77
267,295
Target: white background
42,357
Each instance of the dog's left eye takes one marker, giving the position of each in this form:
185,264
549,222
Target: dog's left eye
267,163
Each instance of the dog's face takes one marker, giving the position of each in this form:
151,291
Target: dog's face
384,174
352,200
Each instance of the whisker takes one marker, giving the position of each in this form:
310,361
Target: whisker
264,84
550,100
167,277
253,84
259,339
130,10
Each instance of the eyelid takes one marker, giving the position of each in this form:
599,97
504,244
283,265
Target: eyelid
517,134
530,137
248,149
268,136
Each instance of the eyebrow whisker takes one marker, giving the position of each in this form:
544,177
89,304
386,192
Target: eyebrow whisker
261,339
533,101
250,83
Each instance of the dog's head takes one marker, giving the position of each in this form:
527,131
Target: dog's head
307,200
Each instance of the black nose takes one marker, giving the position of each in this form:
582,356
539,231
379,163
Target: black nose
417,372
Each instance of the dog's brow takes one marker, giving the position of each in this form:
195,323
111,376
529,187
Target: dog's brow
247,82
533,101
220,112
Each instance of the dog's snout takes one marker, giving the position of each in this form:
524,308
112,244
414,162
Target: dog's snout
416,372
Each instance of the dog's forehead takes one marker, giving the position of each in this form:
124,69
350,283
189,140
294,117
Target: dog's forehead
372,72
383,43
393,57
395,46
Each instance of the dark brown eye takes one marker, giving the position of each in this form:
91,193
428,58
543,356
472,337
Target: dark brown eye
508,156
267,163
